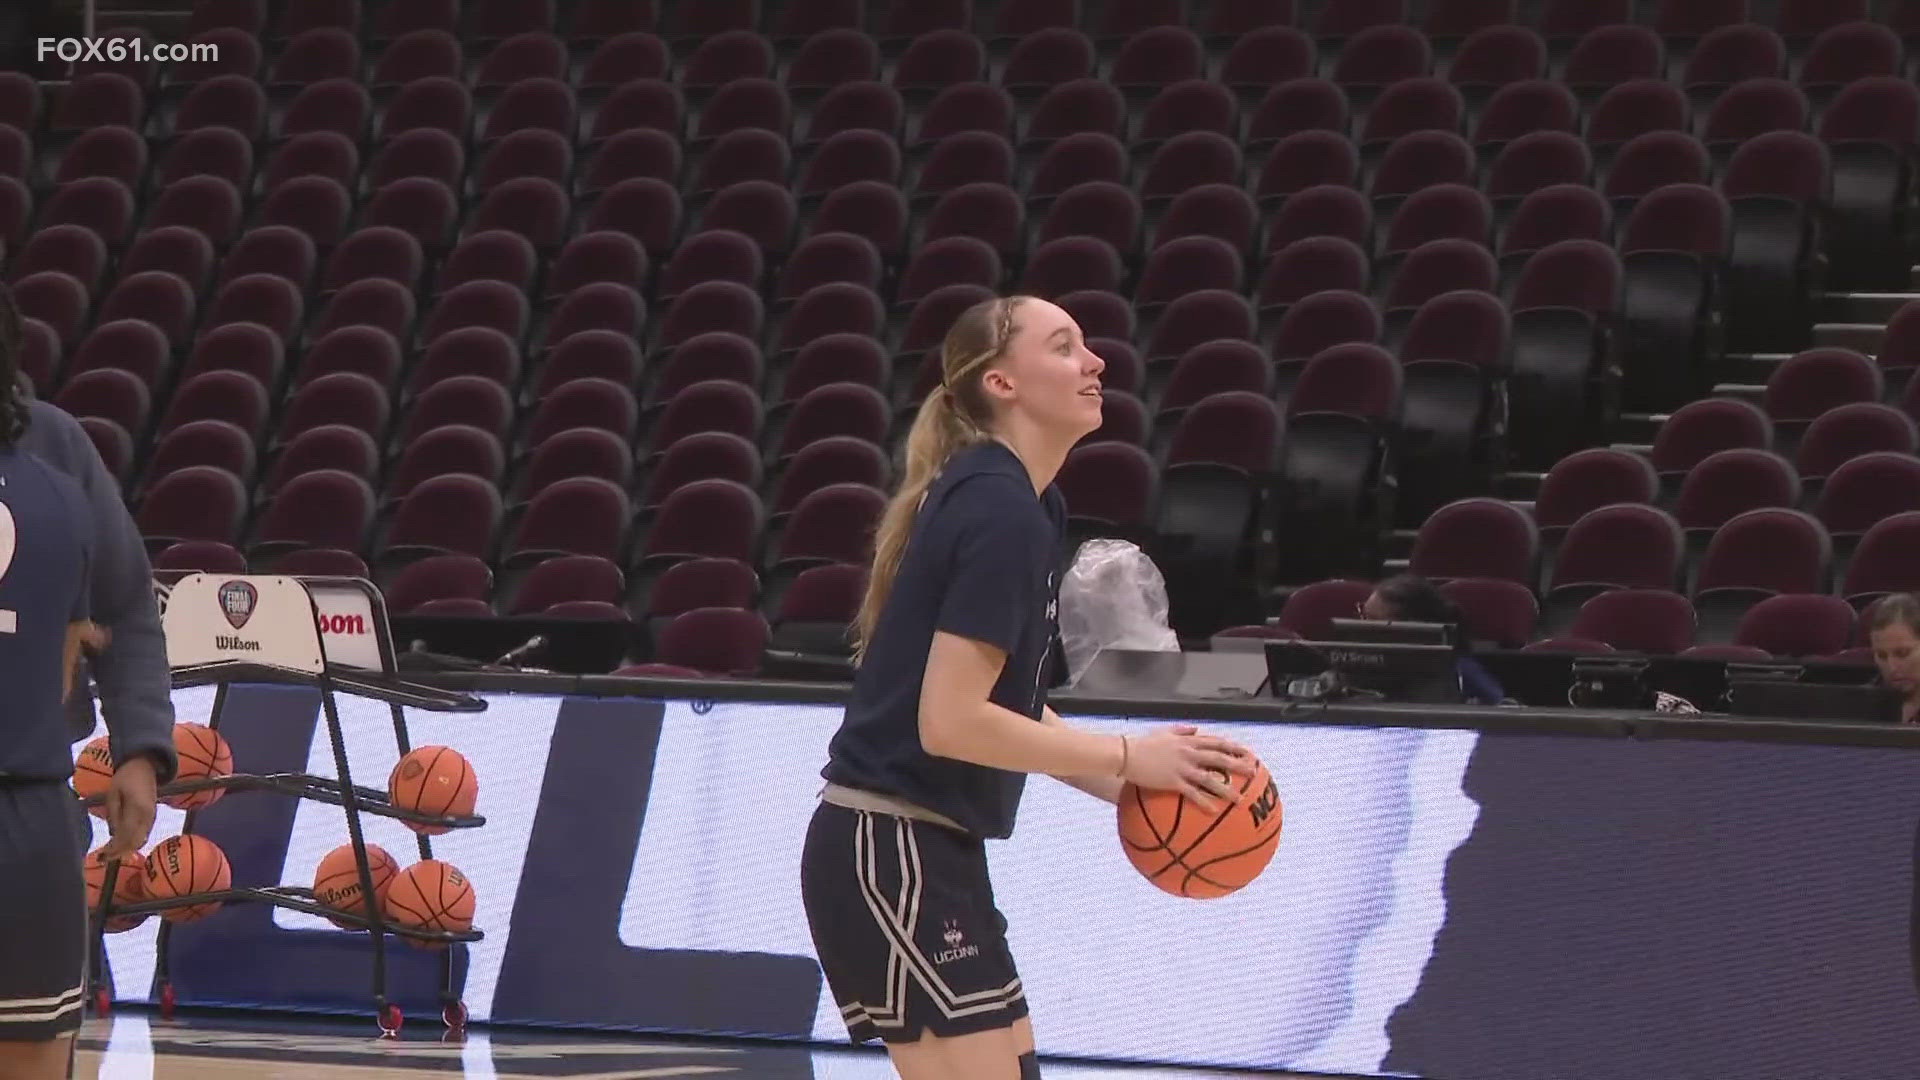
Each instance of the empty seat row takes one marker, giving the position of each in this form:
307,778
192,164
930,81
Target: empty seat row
1533,155
573,452
1111,19
1821,432
166,301
1190,291
1376,55
1203,194
464,514
832,283
352,399
1863,484
1858,110
1757,553
1681,216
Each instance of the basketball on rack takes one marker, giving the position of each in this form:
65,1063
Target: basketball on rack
93,772
436,781
1199,853
128,888
184,866
336,882
431,895
204,755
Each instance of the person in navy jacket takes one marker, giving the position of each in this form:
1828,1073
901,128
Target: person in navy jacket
65,561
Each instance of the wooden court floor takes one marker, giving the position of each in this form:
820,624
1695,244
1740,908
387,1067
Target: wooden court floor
136,1046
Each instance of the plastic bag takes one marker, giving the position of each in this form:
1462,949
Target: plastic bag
1112,597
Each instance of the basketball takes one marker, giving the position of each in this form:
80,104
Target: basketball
1189,852
128,888
430,895
93,772
433,780
183,866
336,882
203,756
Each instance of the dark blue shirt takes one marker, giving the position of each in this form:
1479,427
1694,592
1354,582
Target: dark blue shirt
981,563
46,543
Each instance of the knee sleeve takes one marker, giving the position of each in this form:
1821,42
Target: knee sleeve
1030,1066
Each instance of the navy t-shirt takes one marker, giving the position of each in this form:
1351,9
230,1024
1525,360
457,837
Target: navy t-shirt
46,540
982,563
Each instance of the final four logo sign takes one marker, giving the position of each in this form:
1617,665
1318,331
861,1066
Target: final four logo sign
278,613
237,600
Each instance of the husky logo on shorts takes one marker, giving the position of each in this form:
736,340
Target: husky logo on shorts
236,602
955,950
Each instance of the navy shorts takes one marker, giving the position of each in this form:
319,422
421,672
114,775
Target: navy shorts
905,927
43,909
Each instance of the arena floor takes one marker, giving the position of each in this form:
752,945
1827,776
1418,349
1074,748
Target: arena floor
133,1046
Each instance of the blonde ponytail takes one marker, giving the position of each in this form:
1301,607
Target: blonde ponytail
950,419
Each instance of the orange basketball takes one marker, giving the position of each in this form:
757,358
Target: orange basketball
430,895
336,883
1189,852
183,866
128,888
204,755
434,780
93,772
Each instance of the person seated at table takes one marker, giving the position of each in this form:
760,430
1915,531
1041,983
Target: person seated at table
1893,629
1411,598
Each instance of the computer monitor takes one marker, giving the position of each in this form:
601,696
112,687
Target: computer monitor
1425,674
1813,703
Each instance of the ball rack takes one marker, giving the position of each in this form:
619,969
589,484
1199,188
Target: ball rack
353,799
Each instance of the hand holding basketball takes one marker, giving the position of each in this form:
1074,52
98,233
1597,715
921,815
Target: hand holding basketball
1188,850
1180,759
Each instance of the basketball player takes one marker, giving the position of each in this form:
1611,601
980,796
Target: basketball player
129,667
947,713
63,542
46,543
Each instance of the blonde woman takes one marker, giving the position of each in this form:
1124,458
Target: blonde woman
948,715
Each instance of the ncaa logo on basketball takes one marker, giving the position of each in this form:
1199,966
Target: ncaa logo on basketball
237,600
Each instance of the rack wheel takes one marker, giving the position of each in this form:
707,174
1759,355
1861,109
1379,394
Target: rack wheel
166,1001
390,1021
455,1015
102,1001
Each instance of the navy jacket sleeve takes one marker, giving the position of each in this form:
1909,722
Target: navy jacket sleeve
89,549
996,555
135,684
